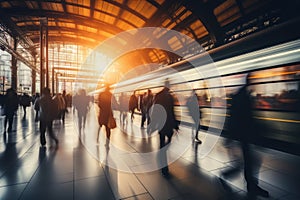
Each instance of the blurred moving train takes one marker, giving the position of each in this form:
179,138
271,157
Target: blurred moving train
275,85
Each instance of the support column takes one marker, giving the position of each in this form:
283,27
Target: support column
52,75
33,82
14,68
56,81
42,70
46,59
33,79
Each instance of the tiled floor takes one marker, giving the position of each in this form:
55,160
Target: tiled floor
83,168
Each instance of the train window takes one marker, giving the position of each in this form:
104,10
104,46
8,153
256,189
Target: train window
285,73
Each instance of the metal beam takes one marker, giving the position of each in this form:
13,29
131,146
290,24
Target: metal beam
15,32
17,55
78,19
205,14
34,31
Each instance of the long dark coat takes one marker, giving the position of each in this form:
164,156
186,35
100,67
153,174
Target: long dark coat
166,100
241,124
105,102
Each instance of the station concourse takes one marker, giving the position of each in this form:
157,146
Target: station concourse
208,47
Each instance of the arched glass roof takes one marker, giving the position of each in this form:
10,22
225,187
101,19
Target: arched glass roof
86,23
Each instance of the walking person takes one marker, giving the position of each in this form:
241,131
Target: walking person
194,111
241,126
10,106
123,109
25,101
166,100
148,103
133,104
36,106
49,110
60,101
65,108
143,108
105,102
81,103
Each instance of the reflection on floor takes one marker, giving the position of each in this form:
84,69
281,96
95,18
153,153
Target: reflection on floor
128,168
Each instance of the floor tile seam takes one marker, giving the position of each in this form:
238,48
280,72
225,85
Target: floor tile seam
198,166
278,171
108,182
281,172
135,196
147,191
30,146
244,189
278,188
13,164
20,197
101,166
90,177
9,185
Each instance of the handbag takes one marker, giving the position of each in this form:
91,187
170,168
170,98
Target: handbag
111,123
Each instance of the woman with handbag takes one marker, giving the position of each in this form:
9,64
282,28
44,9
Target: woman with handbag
105,102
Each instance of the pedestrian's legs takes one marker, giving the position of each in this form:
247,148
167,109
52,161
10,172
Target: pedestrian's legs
162,154
143,119
107,136
5,123
36,115
148,117
24,109
79,121
107,132
10,121
84,120
132,114
63,113
42,132
248,165
51,133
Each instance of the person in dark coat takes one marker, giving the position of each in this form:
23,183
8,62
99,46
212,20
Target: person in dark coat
36,106
149,103
194,111
241,126
10,105
133,104
47,115
123,102
143,108
105,102
165,127
81,103
25,101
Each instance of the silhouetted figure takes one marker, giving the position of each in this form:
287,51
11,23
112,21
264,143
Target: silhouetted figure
36,106
123,108
25,101
241,126
60,101
147,102
48,111
65,108
194,111
10,106
81,103
165,127
133,104
105,102
143,108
